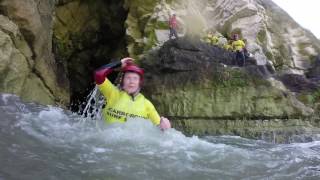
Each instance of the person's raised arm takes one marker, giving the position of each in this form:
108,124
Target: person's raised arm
101,73
105,86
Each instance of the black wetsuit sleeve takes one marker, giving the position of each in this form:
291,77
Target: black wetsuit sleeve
112,65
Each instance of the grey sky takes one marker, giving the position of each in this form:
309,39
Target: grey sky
306,13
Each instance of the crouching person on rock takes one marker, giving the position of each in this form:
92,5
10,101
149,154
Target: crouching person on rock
126,101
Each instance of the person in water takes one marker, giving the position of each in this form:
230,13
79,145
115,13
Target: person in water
126,101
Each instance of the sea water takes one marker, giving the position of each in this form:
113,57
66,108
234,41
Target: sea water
47,142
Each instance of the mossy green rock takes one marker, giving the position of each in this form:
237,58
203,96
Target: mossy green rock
209,98
187,83
145,17
31,52
15,69
275,130
87,34
73,24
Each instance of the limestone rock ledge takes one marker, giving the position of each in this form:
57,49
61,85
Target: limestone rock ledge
197,86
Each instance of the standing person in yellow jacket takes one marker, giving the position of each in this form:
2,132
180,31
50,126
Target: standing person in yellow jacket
127,101
238,45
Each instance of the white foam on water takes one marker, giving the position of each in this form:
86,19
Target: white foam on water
5,97
53,125
138,149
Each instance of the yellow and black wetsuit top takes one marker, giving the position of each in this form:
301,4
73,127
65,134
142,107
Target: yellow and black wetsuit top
211,39
120,105
227,47
238,45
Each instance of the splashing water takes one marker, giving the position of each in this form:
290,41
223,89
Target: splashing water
192,17
194,22
93,108
46,142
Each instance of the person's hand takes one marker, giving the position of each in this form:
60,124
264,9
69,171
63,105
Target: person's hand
126,61
164,123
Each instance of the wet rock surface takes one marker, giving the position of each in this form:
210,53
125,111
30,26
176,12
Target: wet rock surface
201,89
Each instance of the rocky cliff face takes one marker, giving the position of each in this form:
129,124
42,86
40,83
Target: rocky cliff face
202,103
201,90
50,48
28,67
88,34
272,35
